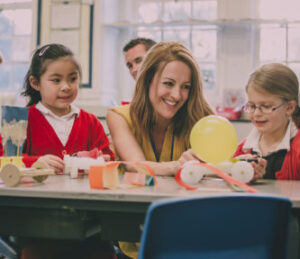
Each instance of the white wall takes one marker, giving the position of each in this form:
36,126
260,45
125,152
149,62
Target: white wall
242,129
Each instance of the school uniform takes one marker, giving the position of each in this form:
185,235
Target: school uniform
284,162
49,134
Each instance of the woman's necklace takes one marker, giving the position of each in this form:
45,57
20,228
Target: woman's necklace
155,151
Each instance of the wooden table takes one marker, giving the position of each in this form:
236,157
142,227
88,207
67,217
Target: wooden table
67,208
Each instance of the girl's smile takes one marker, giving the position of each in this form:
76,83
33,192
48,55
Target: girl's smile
269,122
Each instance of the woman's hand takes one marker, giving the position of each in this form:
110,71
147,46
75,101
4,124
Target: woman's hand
53,162
187,156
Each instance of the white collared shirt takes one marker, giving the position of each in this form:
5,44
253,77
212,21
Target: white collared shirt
252,141
61,125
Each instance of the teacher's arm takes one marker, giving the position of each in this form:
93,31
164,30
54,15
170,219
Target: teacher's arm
128,149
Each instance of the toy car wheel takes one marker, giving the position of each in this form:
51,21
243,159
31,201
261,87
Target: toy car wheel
39,165
40,178
10,175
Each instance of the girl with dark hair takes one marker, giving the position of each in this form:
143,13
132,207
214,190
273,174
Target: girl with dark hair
56,125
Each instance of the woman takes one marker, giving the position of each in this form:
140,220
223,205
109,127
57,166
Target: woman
167,102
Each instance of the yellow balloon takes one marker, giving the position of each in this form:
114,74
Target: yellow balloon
213,139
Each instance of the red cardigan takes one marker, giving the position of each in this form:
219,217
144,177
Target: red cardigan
87,133
290,169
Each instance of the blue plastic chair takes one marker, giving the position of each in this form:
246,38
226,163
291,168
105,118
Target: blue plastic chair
231,227
8,249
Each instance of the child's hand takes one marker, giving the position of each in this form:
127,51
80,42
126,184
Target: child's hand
187,156
259,168
106,157
259,165
54,162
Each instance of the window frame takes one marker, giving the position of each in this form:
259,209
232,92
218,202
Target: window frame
10,90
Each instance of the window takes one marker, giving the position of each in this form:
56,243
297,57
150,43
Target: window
186,21
229,38
281,43
200,39
280,38
71,24
15,42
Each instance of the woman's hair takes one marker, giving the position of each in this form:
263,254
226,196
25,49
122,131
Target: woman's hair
279,80
196,107
39,62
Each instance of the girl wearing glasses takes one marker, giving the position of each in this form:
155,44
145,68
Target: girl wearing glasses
273,107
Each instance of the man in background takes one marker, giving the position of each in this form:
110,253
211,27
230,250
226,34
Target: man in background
134,52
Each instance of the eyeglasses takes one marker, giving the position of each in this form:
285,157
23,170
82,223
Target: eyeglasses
263,108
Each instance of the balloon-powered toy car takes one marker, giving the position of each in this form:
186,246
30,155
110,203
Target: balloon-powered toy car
214,140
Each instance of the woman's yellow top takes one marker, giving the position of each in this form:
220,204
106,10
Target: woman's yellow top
145,143
129,248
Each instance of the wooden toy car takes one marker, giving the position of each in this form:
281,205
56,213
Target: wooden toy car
11,174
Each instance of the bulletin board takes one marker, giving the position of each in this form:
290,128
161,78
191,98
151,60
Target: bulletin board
69,23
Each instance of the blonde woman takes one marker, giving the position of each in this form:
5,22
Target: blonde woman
167,102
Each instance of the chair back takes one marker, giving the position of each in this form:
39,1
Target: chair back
233,227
